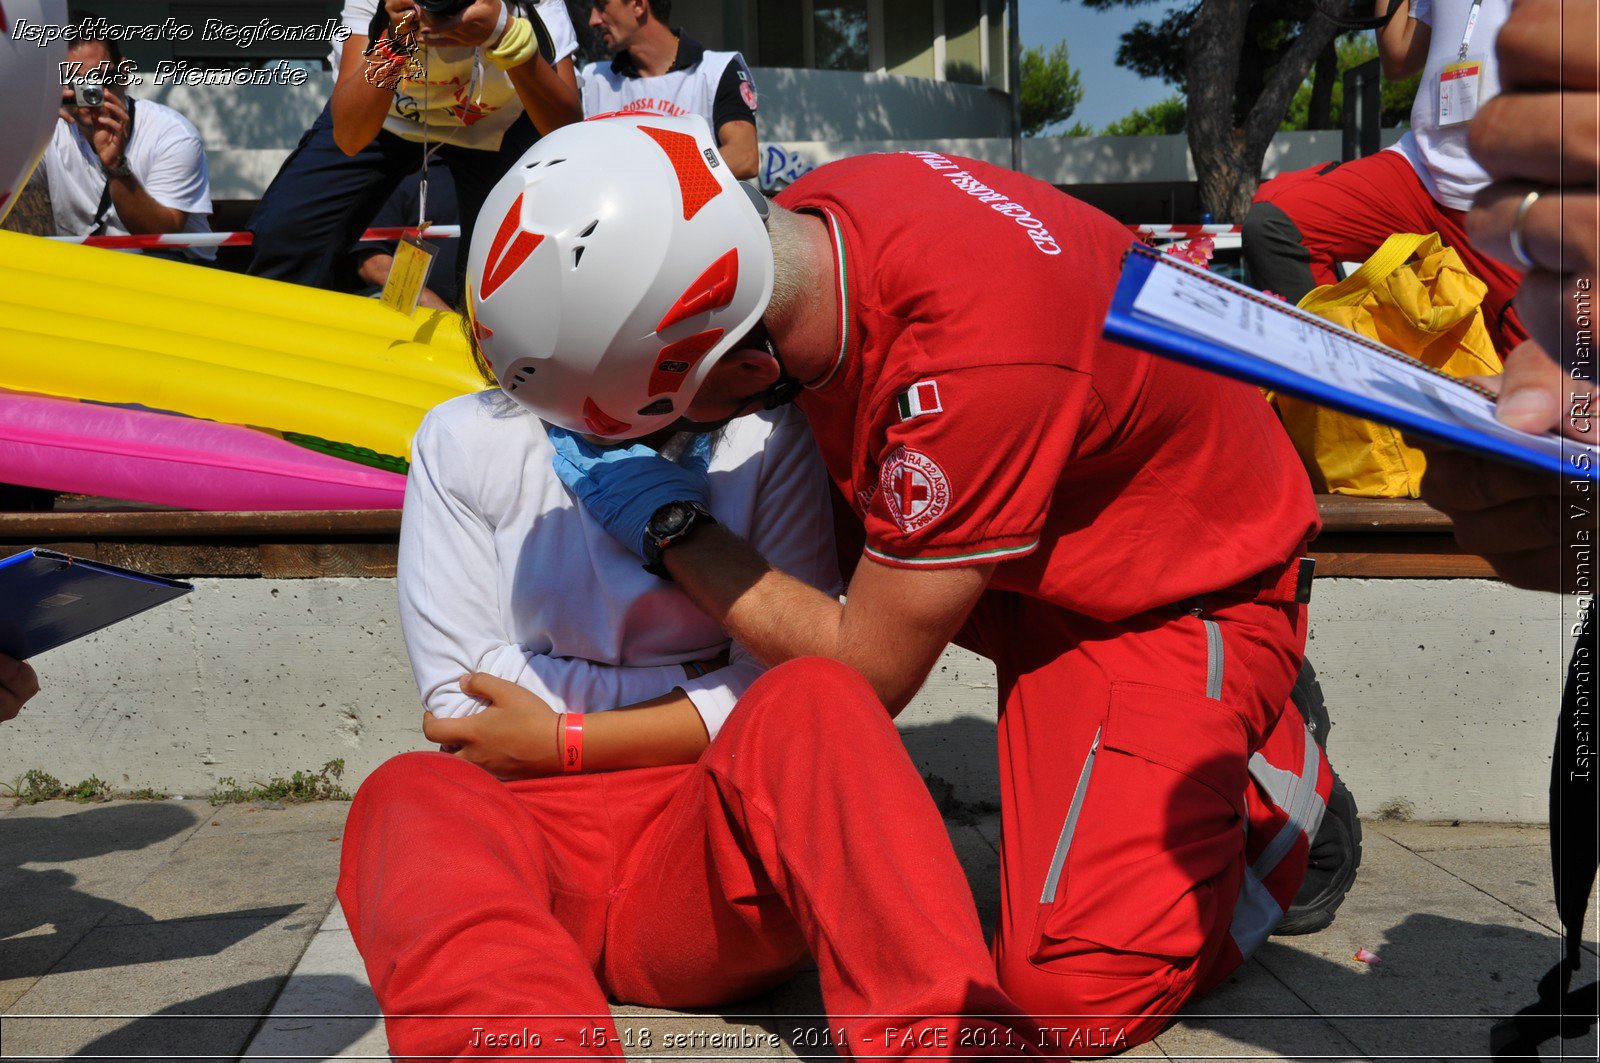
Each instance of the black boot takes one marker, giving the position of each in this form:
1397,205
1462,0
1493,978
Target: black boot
1336,850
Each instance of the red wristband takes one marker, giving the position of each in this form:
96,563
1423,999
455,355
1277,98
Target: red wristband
571,742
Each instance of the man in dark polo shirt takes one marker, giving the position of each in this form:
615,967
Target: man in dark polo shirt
657,68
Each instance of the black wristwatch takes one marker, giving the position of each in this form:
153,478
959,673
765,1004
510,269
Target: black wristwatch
668,526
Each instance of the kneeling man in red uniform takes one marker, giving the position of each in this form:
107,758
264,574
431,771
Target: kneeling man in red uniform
1120,535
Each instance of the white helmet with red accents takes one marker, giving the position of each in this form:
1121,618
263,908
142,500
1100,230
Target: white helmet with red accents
611,268
30,90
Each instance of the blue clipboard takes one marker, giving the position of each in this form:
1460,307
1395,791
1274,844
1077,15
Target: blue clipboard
48,599
1176,310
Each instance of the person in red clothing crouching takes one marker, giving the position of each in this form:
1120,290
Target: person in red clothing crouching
1120,535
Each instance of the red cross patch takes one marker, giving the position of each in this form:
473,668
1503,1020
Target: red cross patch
915,489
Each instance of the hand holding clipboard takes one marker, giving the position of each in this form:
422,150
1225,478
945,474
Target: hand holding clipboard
1176,310
48,599
18,683
1537,531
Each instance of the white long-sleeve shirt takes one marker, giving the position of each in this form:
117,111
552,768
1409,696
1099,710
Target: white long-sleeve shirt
503,571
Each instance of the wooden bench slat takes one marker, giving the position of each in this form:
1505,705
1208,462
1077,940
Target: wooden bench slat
1374,538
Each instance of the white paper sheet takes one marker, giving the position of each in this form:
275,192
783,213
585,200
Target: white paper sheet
1220,311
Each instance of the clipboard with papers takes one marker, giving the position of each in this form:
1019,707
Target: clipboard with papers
1176,310
48,599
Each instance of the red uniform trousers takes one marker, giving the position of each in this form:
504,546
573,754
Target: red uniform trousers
1158,801
803,827
1345,214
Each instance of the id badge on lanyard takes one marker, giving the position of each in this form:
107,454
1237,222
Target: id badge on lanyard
1461,81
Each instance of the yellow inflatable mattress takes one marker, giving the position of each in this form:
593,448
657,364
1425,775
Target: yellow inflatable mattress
84,323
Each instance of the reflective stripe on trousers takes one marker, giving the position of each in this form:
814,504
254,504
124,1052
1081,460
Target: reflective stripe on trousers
1053,878
1257,914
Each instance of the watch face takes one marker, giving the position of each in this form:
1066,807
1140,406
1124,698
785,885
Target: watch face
672,521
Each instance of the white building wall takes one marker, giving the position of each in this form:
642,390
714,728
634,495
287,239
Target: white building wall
808,117
248,131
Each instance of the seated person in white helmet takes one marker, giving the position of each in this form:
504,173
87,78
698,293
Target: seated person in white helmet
639,812
657,68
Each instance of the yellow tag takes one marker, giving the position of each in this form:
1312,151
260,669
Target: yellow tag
1458,91
413,258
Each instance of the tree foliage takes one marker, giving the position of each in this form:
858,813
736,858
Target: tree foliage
1239,64
1162,117
1161,49
1051,90
1353,49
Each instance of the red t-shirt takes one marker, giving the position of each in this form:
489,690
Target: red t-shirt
976,414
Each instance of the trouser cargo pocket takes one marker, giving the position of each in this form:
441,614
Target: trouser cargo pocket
1150,850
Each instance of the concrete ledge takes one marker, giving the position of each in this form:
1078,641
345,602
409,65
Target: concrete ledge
1442,692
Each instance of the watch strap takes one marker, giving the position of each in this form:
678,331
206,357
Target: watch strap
656,541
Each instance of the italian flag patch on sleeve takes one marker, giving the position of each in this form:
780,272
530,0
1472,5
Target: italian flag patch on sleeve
920,398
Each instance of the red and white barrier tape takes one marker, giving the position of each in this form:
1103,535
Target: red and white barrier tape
453,232
1174,231
241,239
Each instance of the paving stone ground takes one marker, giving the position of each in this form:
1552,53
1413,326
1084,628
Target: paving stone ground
155,930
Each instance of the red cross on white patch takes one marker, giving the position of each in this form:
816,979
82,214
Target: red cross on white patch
915,489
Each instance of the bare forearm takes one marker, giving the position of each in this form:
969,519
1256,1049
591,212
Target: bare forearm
1399,46
358,109
549,94
666,730
779,618
775,616
737,141
139,211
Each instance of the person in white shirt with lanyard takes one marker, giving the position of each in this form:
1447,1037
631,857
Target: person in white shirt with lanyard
124,166
475,81
1305,222
657,68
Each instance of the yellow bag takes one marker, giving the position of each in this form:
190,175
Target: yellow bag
1416,296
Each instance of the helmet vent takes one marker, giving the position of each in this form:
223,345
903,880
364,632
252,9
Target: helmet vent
677,359
590,230
519,378
577,256
656,408
712,290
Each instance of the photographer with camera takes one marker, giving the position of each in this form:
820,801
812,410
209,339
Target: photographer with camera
472,83
117,166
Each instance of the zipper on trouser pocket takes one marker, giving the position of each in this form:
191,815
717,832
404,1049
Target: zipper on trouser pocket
1064,843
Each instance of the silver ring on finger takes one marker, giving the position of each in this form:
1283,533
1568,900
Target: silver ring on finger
1519,243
